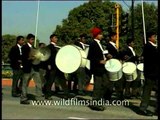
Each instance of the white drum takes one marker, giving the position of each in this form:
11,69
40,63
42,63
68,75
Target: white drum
88,61
86,50
69,58
114,68
129,70
88,64
140,71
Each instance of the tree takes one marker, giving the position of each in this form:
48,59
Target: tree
83,18
7,42
98,13
151,23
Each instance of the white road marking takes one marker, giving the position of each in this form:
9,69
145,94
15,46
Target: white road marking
77,118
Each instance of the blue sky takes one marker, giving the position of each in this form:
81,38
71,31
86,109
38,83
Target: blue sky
19,17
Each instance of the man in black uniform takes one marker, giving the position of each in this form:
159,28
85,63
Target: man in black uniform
30,71
129,55
15,56
116,54
53,73
97,62
150,54
80,77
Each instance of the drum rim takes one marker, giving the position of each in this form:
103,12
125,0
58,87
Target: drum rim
129,63
73,46
139,65
117,62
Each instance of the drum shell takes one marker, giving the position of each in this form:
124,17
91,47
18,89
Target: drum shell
67,62
140,71
83,56
114,75
132,74
88,64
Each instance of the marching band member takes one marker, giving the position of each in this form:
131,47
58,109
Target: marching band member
80,74
97,62
129,55
115,53
150,54
53,73
30,71
42,67
15,56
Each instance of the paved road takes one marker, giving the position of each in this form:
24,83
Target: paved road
12,109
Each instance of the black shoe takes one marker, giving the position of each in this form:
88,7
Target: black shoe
97,108
16,95
26,102
145,113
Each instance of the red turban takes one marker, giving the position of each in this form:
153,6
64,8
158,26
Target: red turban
95,31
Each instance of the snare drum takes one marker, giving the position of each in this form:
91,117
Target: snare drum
140,71
69,58
114,68
129,70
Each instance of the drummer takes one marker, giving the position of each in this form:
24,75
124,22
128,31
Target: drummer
129,55
116,54
97,64
79,77
53,74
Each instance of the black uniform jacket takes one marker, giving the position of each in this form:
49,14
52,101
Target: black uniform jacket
113,51
26,62
14,56
150,54
95,54
51,60
129,53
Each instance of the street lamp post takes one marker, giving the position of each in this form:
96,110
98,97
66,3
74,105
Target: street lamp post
132,19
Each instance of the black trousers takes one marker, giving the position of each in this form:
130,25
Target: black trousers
51,76
102,88
80,79
148,86
135,86
17,81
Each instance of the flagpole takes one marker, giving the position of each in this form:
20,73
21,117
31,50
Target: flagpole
35,43
144,29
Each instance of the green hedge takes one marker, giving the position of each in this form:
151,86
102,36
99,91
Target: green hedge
7,73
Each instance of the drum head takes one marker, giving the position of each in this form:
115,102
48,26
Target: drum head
68,59
113,65
140,66
129,68
114,68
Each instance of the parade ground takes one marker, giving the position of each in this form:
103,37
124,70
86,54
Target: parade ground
12,109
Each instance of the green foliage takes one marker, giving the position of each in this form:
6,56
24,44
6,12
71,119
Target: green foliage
151,23
7,42
7,74
97,13
83,18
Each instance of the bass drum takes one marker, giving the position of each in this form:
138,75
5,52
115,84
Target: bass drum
114,68
129,70
140,71
88,61
69,58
